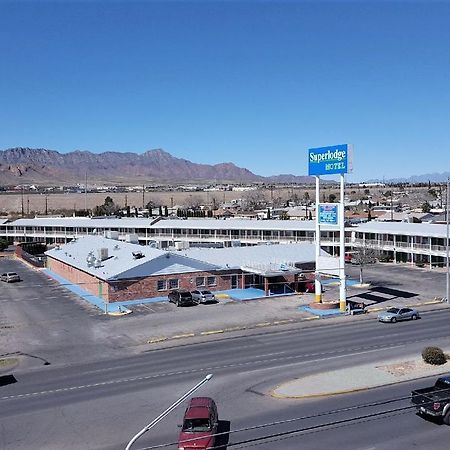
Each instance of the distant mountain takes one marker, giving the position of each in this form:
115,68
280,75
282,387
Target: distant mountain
425,178
19,165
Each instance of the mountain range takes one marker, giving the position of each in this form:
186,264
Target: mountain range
41,166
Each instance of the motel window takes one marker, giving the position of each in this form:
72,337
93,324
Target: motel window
162,285
211,281
174,283
200,281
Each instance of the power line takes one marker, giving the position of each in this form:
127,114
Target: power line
311,428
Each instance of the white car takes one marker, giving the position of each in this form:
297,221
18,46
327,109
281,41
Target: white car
203,296
9,277
396,314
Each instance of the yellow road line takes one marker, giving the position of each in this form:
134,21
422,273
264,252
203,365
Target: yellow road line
180,336
205,333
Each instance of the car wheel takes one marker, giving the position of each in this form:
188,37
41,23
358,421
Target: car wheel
446,418
393,320
414,317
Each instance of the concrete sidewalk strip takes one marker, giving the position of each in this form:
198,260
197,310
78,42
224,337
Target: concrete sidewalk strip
358,378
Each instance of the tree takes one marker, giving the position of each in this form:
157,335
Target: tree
107,209
426,207
367,254
3,244
332,198
253,199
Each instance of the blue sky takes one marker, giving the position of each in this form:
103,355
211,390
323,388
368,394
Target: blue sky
255,83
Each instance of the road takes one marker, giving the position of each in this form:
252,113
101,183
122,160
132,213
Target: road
101,405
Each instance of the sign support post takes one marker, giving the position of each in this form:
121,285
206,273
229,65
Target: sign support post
342,287
332,160
317,283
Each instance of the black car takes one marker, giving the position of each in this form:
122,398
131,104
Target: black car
181,298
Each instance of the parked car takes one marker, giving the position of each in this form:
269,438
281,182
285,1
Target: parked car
9,277
200,422
434,400
203,296
396,314
181,298
310,287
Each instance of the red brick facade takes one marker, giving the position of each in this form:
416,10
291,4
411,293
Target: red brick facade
141,288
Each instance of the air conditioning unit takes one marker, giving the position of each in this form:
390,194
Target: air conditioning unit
102,253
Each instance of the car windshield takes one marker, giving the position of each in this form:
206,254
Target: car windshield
12,274
206,292
185,294
393,310
194,425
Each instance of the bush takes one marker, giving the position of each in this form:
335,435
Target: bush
434,355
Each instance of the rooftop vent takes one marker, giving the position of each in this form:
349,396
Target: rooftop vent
102,253
138,255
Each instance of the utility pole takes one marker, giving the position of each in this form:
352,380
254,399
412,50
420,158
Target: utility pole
143,196
392,211
46,204
85,191
22,200
28,206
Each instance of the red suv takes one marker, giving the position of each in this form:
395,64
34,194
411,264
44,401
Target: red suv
200,424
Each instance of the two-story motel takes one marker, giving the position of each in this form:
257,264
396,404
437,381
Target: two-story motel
423,243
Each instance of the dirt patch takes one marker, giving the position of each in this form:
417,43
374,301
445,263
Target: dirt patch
408,367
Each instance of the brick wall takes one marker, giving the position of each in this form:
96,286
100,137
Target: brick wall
82,279
148,287
136,289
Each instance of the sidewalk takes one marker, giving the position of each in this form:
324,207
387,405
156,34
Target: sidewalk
358,378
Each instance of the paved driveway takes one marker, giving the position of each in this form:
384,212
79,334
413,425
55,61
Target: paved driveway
42,319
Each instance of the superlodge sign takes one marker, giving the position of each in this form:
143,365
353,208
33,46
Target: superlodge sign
330,160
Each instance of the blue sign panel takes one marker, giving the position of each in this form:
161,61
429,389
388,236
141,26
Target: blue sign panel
330,160
328,213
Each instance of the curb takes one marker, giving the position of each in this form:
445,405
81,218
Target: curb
349,391
264,325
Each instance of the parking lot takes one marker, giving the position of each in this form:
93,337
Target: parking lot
44,320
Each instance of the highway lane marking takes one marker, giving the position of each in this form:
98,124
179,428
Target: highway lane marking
190,371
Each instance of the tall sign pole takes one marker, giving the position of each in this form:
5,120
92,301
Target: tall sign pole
447,278
317,283
336,159
342,285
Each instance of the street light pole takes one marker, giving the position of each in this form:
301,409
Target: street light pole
167,411
447,251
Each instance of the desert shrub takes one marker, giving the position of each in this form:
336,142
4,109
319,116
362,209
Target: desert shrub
433,355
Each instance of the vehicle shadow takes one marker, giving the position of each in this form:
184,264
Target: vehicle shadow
223,429
7,379
431,419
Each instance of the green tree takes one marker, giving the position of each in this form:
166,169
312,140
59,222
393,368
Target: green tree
426,207
3,244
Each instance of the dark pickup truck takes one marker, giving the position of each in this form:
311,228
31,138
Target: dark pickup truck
435,400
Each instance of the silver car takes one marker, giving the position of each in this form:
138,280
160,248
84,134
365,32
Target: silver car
203,296
10,277
396,314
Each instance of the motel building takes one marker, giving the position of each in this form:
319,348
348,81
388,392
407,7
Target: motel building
413,243
117,271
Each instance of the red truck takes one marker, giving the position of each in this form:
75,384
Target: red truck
199,426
